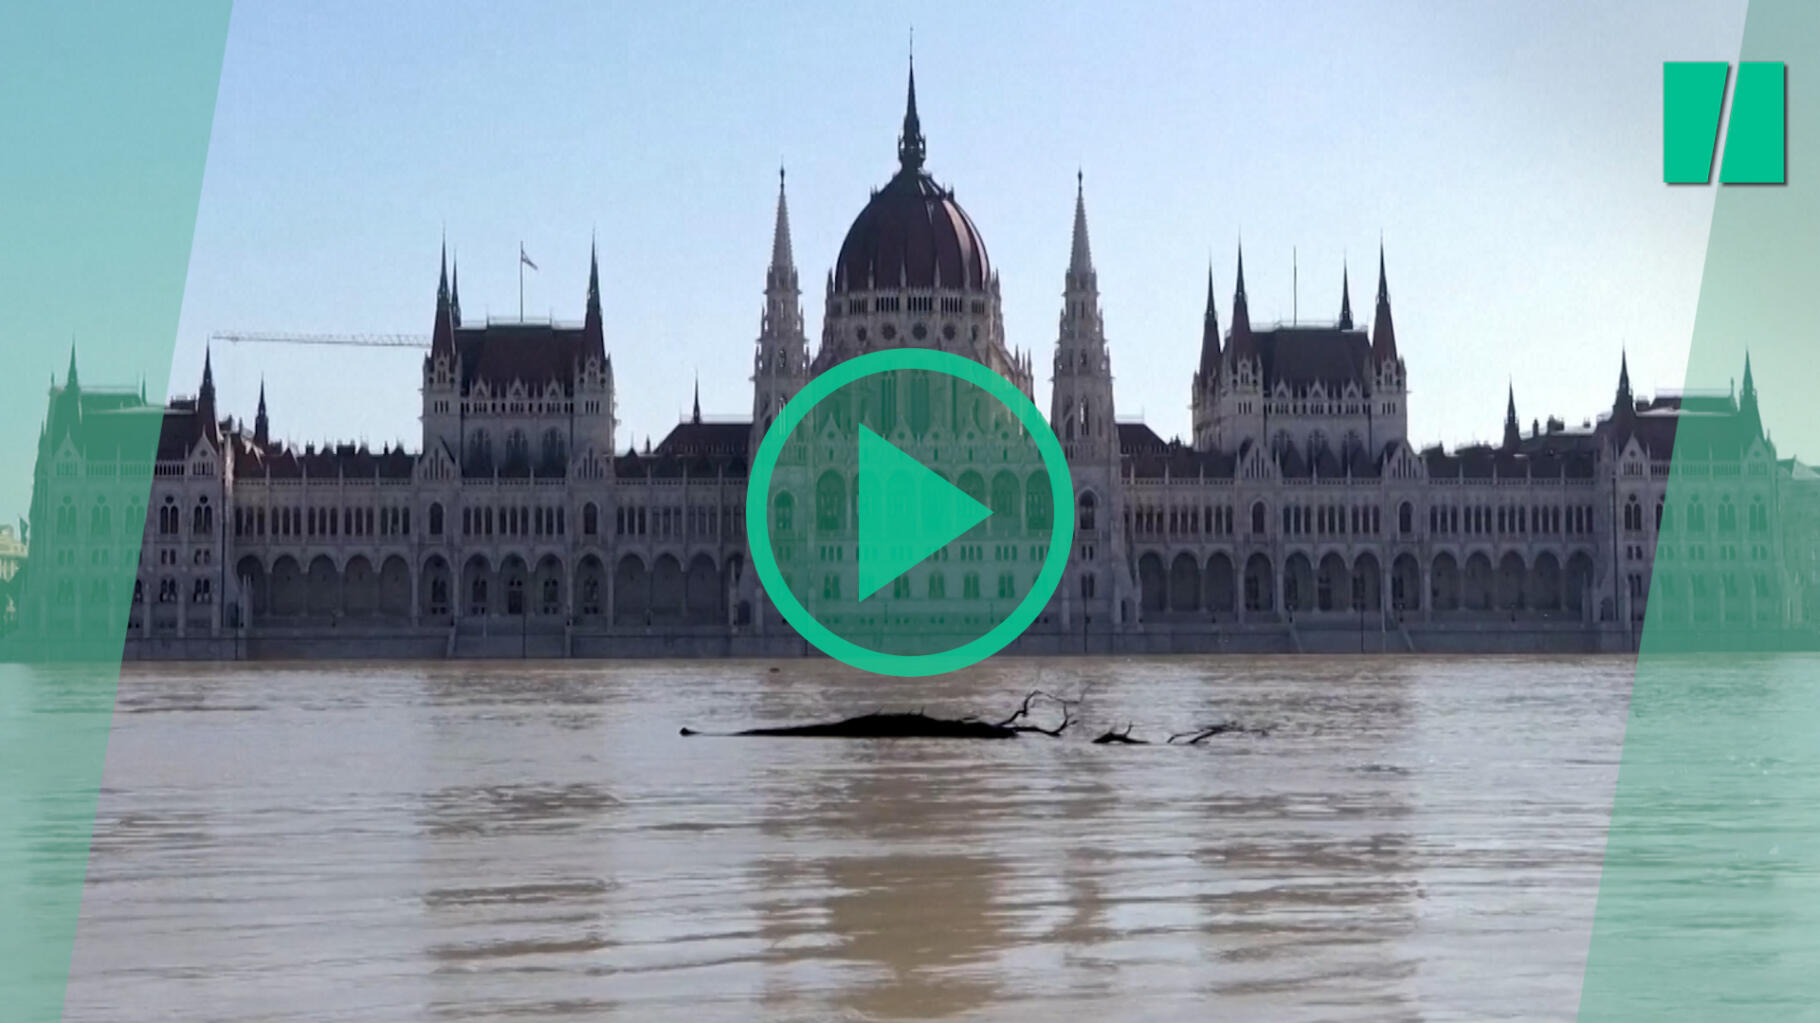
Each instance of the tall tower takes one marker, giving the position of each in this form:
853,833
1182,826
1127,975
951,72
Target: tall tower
441,371
594,397
1098,587
262,426
1238,405
1389,383
1207,376
780,365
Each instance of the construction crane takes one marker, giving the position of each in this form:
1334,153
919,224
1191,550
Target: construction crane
279,337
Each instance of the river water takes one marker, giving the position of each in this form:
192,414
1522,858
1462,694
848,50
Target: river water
1413,839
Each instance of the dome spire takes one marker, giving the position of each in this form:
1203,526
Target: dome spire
910,145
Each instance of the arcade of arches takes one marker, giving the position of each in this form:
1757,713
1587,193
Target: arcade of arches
1185,586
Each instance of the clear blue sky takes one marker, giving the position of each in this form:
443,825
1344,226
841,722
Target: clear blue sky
1508,153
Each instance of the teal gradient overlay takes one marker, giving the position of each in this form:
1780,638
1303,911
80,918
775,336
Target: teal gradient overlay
1693,95
105,113
1755,143
1709,902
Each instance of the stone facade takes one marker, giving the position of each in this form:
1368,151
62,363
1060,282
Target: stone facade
1298,517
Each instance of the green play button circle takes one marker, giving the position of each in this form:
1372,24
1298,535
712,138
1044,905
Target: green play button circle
910,512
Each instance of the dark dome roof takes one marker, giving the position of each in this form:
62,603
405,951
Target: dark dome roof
913,233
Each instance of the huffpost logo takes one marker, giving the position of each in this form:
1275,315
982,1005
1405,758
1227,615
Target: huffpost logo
1693,108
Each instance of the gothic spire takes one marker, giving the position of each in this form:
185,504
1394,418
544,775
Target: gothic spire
1383,331
592,326
782,259
455,291
206,396
695,413
1623,404
1242,346
262,431
1345,299
1747,404
1512,434
70,380
911,147
1210,334
442,340
1080,257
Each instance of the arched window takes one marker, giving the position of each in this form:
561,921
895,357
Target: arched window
1728,515
830,502
590,519
1759,516
555,454
784,513
1406,518
1257,518
517,461
1633,514
1088,509
436,519
480,454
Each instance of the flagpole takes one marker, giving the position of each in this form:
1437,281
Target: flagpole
521,282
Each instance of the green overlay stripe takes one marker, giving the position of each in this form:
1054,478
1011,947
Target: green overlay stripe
105,111
1709,904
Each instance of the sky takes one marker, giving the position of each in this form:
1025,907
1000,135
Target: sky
1506,154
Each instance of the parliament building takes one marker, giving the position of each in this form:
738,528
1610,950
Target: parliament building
1299,515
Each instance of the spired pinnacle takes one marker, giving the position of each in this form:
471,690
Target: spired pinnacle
782,258
1080,259
911,148
1345,299
1210,334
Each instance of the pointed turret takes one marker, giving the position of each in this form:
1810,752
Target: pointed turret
262,430
695,413
455,290
1242,346
1747,404
781,255
1512,432
1623,403
1345,299
205,396
1080,256
593,327
1383,332
1210,336
781,360
71,381
442,339
780,276
911,148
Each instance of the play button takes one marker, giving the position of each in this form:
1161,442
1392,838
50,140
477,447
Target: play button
909,512
914,514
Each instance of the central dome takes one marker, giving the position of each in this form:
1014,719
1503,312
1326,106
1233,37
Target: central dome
912,234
